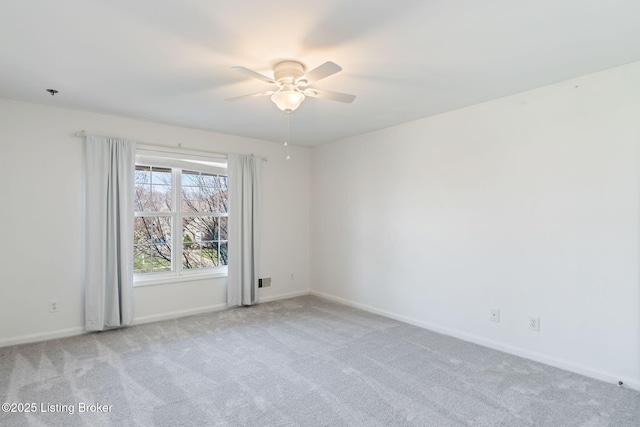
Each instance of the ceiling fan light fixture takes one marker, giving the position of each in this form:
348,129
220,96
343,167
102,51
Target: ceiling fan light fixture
292,84
288,99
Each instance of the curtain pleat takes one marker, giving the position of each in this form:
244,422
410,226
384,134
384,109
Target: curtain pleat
108,269
244,213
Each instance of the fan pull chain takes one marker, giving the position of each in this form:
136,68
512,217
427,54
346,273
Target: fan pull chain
287,113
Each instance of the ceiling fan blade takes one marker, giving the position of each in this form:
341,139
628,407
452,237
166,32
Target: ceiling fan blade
252,95
254,74
326,94
325,70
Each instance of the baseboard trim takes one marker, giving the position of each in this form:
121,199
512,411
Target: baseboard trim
70,332
507,348
208,309
44,336
177,314
284,296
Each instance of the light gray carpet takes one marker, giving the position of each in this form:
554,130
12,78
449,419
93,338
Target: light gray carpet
297,362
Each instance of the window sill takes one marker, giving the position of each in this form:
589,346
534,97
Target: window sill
169,279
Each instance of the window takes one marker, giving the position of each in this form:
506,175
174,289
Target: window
187,199
154,219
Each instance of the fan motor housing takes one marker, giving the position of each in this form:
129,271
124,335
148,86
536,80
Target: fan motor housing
287,71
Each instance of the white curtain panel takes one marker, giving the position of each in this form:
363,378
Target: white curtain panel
244,215
110,169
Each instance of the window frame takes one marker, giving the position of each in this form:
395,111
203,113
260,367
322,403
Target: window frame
179,162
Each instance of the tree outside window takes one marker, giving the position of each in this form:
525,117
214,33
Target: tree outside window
173,201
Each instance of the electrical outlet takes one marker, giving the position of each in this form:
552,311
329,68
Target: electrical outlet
494,315
534,323
53,306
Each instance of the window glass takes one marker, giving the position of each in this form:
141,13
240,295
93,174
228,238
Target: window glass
199,215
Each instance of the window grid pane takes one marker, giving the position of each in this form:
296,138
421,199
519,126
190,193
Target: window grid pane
204,207
152,189
152,244
201,247
203,192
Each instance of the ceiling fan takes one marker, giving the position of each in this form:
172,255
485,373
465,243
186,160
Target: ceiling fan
293,84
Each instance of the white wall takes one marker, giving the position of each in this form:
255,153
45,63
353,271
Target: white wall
41,219
528,204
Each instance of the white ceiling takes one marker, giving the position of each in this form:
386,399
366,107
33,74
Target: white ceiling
170,61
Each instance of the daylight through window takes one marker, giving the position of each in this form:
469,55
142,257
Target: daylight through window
190,204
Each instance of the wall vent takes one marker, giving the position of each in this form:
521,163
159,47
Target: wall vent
264,282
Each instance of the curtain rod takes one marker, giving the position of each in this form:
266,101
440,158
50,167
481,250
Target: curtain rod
82,133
